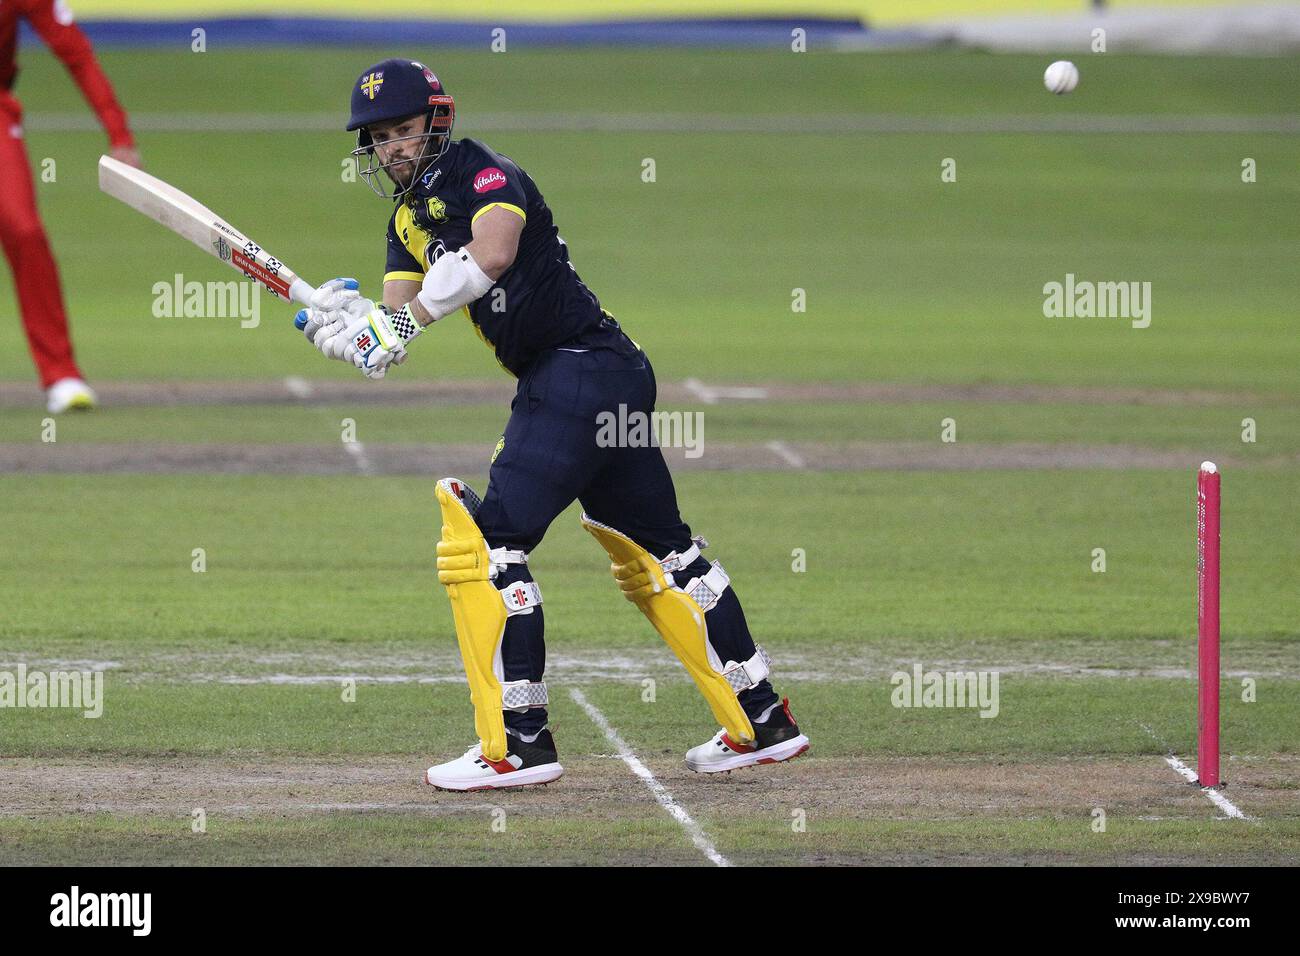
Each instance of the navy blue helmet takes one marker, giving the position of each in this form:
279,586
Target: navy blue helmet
399,89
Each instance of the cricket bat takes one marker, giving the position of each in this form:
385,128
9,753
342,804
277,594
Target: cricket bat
187,217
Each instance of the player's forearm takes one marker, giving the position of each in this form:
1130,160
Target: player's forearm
420,313
72,47
98,92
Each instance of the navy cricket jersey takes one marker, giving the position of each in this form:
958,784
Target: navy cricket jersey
540,302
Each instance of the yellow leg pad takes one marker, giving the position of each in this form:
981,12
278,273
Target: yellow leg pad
677,618
479,613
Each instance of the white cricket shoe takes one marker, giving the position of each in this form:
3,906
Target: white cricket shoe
525,764
68,393
777,738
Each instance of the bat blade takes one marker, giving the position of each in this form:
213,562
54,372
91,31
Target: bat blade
189,218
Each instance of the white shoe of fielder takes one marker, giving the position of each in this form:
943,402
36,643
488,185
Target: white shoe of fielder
525,764
68,393
776,739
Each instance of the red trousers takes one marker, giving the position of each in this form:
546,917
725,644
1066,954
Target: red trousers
36,277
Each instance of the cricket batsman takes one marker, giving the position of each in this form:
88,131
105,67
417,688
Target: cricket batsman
470,231
36,277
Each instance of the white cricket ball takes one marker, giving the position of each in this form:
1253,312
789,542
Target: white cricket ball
1061,77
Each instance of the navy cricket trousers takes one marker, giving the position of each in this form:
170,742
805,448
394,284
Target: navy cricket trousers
550,457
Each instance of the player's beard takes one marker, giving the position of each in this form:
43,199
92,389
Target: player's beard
405,172
402,173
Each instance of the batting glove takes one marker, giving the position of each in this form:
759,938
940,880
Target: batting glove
379,338
334,306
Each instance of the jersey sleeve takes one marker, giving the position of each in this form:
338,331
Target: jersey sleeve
490,180
404,238
52,20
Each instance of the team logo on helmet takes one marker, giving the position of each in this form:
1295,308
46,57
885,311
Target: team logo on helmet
429,76
437,209
371,84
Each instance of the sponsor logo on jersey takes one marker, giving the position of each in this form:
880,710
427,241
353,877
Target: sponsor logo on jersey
489,179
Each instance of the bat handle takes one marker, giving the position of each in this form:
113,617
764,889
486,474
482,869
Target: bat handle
300,292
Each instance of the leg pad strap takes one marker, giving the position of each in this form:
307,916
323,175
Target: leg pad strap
750,673
520,695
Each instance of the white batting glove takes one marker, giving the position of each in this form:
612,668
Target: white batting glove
333,307
378,339
334,294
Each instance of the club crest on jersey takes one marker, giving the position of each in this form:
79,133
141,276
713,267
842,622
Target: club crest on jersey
437,209
371,84
489,179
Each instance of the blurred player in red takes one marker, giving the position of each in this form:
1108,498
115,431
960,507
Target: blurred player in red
36,277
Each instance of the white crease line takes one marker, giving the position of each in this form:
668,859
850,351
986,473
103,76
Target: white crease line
358,452
1188,774
1218,799
709,394
739,391
700,391
298,387
661,794
787,454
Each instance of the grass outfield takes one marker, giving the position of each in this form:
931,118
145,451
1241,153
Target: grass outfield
1001,558
1201,431
907,278
225,690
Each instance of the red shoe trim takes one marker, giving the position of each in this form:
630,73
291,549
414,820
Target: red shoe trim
738,748
500,766
785,705
783,759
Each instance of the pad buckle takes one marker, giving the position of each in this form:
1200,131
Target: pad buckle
750,673
520,695
500,558
675,561
706,590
